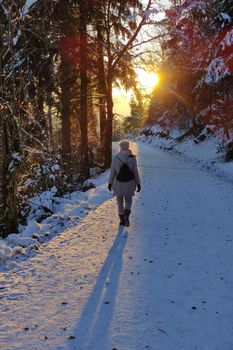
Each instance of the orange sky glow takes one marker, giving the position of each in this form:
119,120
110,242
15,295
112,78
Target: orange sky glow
147,81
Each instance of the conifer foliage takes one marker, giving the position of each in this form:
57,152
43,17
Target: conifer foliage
59,60
196,69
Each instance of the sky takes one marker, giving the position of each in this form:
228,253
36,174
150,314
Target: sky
121,97
121,102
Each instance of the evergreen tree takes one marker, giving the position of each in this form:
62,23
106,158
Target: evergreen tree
196,71
83,89
59,61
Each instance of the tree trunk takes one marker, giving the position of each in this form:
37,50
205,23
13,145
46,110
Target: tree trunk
10,156
83,90
64,16
109,123
11,164
1,173
50,125
1,129
102,89
65,103
40,113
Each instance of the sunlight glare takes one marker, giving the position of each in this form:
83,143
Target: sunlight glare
148,80
121,99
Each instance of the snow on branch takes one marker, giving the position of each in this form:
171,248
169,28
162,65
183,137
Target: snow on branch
26,8
216,71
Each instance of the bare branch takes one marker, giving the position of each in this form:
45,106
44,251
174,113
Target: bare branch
134,36
147,41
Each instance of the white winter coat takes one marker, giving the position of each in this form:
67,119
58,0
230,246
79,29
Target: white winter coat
124,188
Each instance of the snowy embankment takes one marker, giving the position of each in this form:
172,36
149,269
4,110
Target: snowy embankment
207,150
66,212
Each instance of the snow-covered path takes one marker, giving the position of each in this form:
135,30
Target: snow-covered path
165,283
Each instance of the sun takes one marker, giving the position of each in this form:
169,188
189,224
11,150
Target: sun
147,80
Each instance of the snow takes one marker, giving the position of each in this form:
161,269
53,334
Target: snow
228,40
16,38
216,71
152,11
26,8
225,16
18,240
163,283
66,211
193,6
220,64
209,153
55,167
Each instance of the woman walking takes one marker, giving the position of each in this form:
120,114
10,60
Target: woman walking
124,180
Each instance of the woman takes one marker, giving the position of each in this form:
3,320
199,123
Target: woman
124,179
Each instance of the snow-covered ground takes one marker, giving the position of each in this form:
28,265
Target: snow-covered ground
209,153
163,283
67,211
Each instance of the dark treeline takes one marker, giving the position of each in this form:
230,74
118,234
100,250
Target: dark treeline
59,60
195,92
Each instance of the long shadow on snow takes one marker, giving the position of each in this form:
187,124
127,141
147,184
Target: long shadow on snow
97,314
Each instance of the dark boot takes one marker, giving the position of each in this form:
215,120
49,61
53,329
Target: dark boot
127,213
122,220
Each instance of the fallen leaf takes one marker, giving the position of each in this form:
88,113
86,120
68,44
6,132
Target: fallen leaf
71,337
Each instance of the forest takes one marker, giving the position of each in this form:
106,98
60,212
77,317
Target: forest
60,61
196,87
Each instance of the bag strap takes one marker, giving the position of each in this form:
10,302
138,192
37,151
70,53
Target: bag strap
122,160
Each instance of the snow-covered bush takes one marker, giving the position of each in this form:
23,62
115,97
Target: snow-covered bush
42,177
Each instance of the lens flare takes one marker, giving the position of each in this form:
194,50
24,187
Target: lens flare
147,80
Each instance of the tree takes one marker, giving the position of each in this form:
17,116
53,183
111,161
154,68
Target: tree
114,59
59,61
83,89
11,163
66,31
133,123
118,27
196,71
11,150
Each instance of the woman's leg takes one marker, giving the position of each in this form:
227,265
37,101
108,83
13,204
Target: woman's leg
128,202
128,205
120,204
